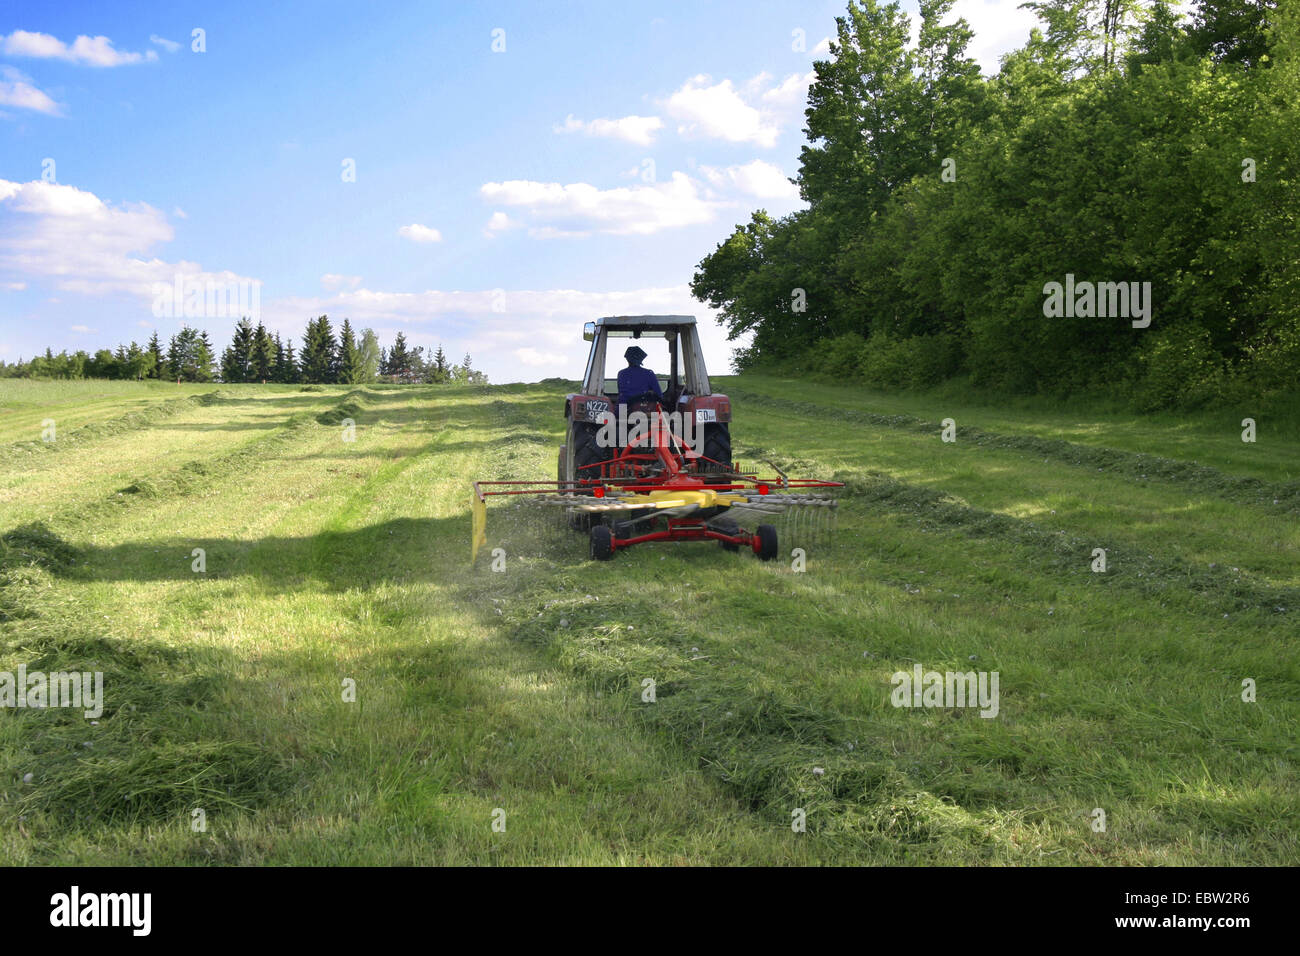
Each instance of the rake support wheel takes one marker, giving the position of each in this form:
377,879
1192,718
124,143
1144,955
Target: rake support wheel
602,542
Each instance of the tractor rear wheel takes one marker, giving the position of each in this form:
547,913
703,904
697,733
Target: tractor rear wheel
717,445
583,450
586,450
765,542
602,542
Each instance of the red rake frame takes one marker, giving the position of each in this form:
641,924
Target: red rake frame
665,466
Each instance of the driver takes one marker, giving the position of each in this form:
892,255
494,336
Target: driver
637,383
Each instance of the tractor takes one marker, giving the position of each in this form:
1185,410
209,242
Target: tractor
657,465
686,392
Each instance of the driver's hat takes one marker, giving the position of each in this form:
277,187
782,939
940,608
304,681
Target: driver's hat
635,354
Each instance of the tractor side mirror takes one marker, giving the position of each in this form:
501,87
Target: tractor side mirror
589,331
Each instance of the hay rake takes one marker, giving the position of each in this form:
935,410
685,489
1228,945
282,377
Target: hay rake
659,489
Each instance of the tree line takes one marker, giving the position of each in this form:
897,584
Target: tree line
258,355
1121,143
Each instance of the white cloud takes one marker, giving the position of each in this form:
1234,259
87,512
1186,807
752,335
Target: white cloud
512,335
535,359
171,46
84,329
418,233
1000,26
633,129
86,51
823,49
792,92
13,286
758,179
17,90
72,241
144,325
82,244
179,213
718,111
580,209
334,282
499,223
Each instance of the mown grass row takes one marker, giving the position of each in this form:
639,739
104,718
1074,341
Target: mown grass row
1209,436
68,438
772,676
1280,496
523,690
151,755
26,403
329,560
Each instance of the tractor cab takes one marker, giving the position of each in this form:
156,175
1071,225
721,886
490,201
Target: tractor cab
672,346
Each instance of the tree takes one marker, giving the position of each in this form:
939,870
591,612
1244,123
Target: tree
368,356
278,365
262,358
439,370
237,359
1233,31
158,368
205,357
288,369
101,365
189,356
466,374
317,361
400,360
348,370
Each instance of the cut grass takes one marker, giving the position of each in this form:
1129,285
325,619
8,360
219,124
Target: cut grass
332,561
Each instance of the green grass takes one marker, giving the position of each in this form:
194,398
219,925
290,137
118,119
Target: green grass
25,403
330,561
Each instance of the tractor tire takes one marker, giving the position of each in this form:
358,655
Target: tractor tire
584,451
602,543
582,439
717,445
766,536
728,527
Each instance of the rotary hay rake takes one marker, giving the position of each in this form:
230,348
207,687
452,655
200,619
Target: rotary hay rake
659,489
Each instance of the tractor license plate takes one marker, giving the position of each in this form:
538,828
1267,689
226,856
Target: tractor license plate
706,415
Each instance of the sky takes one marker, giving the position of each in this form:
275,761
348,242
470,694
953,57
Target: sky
483,176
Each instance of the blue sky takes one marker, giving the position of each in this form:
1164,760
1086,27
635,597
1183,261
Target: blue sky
502,197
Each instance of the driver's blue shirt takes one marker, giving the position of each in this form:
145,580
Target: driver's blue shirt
633,381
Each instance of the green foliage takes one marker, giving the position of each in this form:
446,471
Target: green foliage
237,359
318,360
1116,146
368,356
1179,366
256,355
189,356
349,369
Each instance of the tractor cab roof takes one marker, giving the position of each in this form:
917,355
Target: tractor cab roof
643,321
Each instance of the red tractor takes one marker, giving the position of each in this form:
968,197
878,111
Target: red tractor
702,417
657,465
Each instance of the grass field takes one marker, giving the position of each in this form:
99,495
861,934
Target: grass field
482,696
